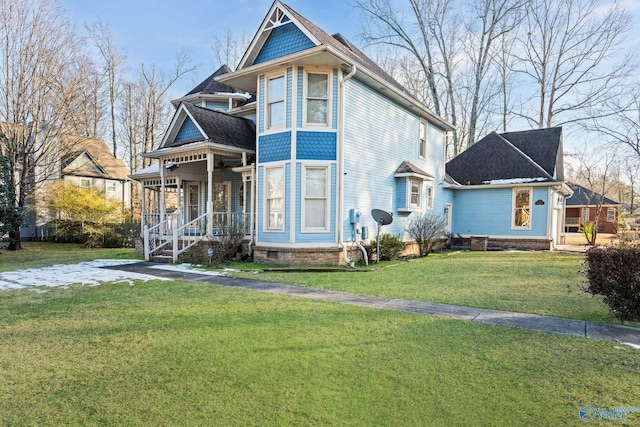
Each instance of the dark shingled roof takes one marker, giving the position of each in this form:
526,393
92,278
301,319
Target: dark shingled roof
540,144
585,197
406,167
210,86
511,156
222,128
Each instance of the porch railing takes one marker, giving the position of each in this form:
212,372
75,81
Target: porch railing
179,238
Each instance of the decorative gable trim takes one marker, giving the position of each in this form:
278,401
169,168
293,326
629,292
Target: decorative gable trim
277,16
178,120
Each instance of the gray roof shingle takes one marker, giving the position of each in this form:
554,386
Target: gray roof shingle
525,156
210,85
584,197
221,128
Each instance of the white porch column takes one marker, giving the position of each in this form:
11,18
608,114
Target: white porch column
163,204
179,201
210,167
143,209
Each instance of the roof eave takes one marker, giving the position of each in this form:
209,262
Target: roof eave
161,152
485,186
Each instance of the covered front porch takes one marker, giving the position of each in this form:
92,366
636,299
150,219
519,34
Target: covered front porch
194,193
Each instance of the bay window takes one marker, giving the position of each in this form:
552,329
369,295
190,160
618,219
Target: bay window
275,102
315,196
317,99
275,199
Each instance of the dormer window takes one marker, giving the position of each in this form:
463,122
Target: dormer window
275,101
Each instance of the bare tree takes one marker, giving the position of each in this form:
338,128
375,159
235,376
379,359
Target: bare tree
594,172
570,51
229,48
112,59
39,53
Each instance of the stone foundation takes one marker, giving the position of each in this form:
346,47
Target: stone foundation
476,243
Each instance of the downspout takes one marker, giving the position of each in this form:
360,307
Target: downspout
340,218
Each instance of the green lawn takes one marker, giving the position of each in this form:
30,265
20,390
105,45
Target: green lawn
40,254
184,353
528,282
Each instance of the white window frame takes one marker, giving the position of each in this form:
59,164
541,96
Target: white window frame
326,198
267,210
306,98
611,214
583,217
268,102
410,193
513,208
429,196
422,141
86,187
110,186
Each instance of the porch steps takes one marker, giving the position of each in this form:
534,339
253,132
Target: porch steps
165,259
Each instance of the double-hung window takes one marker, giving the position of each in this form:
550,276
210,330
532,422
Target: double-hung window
275,101
521,208
85,183
316,204
422,149
429,197
110,186
584,214
415,193
275,199
611,214
317,109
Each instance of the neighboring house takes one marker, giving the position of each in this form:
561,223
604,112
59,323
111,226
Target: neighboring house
306,137
85,162
581,208
509,187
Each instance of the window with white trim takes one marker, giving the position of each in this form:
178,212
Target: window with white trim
611,215
415,193
275,199
275,101
315,198
85,183
422,149
110,186
584,214
429,197
317,99
521,208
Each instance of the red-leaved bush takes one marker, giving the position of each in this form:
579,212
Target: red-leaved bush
614,273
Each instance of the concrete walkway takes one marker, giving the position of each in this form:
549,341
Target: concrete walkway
556,325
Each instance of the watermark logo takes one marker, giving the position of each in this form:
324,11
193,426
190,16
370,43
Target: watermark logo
589,413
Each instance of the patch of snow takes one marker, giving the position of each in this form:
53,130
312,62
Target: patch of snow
514,181
636,346
87,273
187,268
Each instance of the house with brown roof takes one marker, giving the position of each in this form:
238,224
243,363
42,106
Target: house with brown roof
85,162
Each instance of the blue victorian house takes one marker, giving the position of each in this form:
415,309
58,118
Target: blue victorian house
298,145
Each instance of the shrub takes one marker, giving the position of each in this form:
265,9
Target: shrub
614,273
391,247
229,243
426,229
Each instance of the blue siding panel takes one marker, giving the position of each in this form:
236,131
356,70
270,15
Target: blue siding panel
488,212
261,100
379,136
274,147
188,132
334,103
289,100
283,40
300,90
316,145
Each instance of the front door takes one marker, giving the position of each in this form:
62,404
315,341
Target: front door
193,202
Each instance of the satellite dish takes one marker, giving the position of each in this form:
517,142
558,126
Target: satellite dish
382,217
